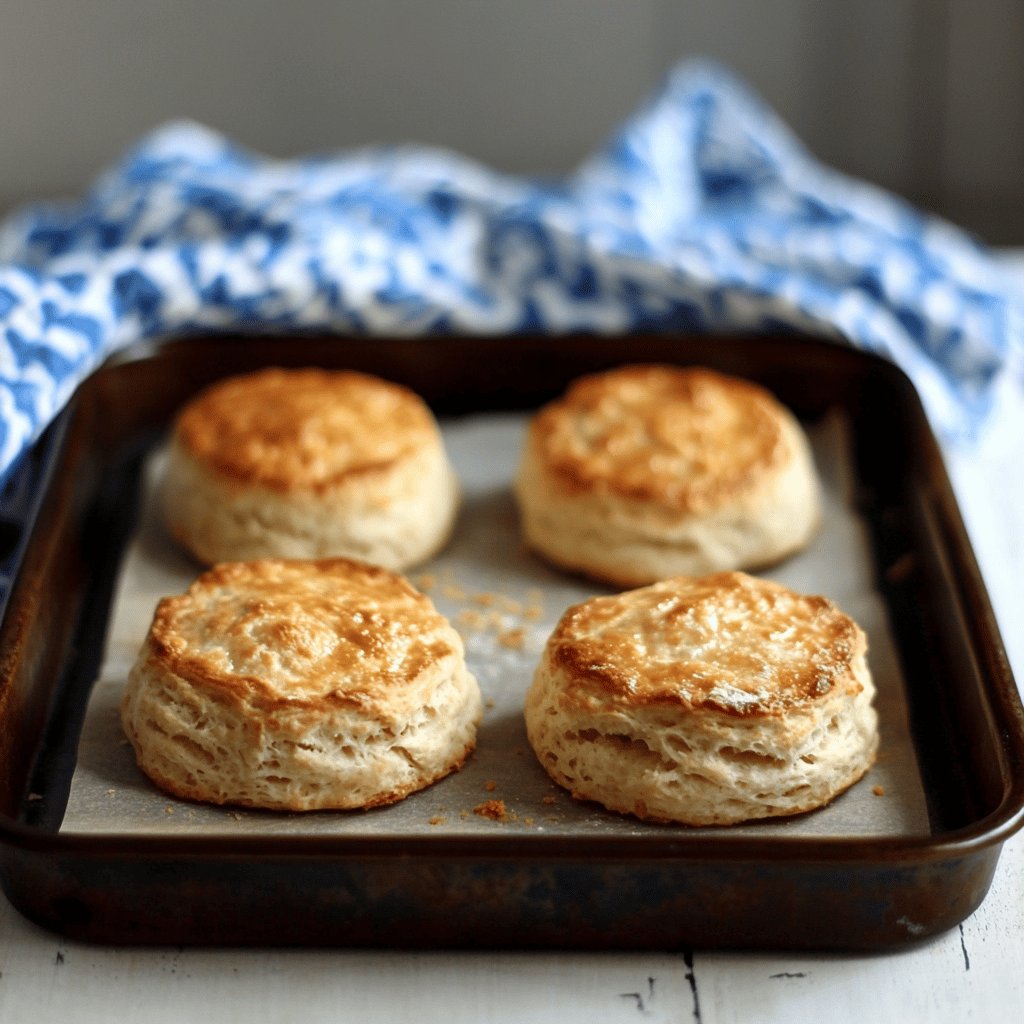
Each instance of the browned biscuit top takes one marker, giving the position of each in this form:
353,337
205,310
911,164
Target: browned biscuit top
303,429
687,439
331,631
729,641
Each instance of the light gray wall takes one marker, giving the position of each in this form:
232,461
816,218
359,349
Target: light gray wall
923,96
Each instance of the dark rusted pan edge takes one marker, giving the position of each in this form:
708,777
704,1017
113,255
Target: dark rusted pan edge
501,894
687,889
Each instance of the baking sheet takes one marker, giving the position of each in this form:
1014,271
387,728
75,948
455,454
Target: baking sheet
504,602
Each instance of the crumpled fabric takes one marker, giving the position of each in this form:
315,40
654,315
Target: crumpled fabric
703,213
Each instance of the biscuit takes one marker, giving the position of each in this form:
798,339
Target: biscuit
706,701
309,464
647,472
300,685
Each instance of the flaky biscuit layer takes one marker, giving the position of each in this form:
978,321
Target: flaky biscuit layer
300,685
309,464
705,701
646,472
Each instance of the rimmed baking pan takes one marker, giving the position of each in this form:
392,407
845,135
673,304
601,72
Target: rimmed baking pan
89,849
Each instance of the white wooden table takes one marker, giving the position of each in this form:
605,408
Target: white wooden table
973,972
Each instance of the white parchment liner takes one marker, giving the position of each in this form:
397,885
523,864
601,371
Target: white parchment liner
505,602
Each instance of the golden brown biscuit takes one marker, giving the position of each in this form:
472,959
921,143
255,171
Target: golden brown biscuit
705,701
309,464
648,471
300,685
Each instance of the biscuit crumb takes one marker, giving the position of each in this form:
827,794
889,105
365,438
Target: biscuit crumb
513,639
471,619
550,799
438,819
493,809
489,703
485,599
490,785
878,790
533,611
528,821
426,582
168,809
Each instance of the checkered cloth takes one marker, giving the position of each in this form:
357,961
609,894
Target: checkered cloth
704,213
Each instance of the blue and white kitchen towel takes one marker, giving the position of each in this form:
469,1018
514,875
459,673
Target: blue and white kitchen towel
703,213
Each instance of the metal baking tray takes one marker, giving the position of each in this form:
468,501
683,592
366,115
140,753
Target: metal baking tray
495,855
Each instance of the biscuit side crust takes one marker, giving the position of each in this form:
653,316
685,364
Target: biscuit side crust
707,701
300,685
201,745
648,472
396,516
626,542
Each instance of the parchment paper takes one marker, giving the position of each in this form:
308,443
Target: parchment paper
504,601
